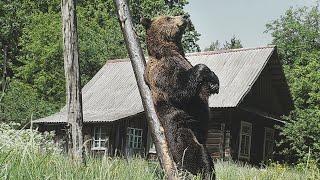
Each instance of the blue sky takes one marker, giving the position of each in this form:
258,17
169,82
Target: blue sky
246,19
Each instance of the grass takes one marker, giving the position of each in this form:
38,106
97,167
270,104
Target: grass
54,166
235,171
28,155
17,165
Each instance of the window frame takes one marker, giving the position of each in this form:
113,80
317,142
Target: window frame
136,144
247,157
101,130
265,139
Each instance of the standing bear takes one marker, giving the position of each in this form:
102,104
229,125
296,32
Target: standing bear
180,93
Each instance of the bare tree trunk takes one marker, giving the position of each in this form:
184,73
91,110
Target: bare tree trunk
138,63
72,73
4,76
4,68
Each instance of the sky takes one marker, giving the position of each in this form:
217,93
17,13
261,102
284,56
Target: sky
245,19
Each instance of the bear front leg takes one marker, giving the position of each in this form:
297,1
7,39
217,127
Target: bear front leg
203,76
190,82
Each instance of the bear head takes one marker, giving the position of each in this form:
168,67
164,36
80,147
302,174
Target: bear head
164,34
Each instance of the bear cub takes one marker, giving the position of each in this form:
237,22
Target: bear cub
180,93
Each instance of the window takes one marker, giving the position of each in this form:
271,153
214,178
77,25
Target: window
245,140
99,138
135,138
268,142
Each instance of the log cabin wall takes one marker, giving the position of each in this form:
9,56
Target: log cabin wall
259,124
89,130
117,136
137,122
263,97
218,139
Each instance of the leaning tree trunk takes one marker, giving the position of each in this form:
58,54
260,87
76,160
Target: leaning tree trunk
72,73
138,64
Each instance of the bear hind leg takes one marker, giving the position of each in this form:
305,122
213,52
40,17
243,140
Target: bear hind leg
192,155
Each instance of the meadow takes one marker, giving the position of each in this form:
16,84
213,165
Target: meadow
27,154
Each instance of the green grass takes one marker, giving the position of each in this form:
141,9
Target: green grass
54,166
236,171
29,155
17,165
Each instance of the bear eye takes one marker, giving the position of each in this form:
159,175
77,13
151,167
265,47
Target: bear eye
168,18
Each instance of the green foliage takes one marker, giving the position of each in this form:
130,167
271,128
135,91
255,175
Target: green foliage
233,44
302,133
41,56
297,36
33,31
42,52
214,46
10,31
21,103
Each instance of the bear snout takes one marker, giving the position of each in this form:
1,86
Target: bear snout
185,21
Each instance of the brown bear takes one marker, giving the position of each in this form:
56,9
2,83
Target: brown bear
180,93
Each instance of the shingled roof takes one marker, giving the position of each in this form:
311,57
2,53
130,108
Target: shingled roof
113,94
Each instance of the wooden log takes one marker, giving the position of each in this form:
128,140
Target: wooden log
138,63
72,74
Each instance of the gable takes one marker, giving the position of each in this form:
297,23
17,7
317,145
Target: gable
237,71
270,92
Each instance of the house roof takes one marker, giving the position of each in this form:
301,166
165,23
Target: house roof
113,94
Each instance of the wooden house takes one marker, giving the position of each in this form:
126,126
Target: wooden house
253,96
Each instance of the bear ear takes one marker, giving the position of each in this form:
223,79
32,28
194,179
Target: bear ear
146,22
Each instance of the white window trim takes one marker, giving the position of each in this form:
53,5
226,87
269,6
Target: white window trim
99,140
128,139
244,123
265,139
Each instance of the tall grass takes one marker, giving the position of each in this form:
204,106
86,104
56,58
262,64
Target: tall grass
50,166
32,156
238,171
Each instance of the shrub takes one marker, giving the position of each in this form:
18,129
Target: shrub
21,103
26,140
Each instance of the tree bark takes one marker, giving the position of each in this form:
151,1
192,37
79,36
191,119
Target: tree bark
138,64
4,68
72,74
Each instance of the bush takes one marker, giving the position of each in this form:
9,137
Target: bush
302,132
26,140
21,103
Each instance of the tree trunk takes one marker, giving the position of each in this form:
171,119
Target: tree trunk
138,64
72,74
4,68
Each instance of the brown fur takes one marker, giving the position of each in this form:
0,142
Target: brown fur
180,93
